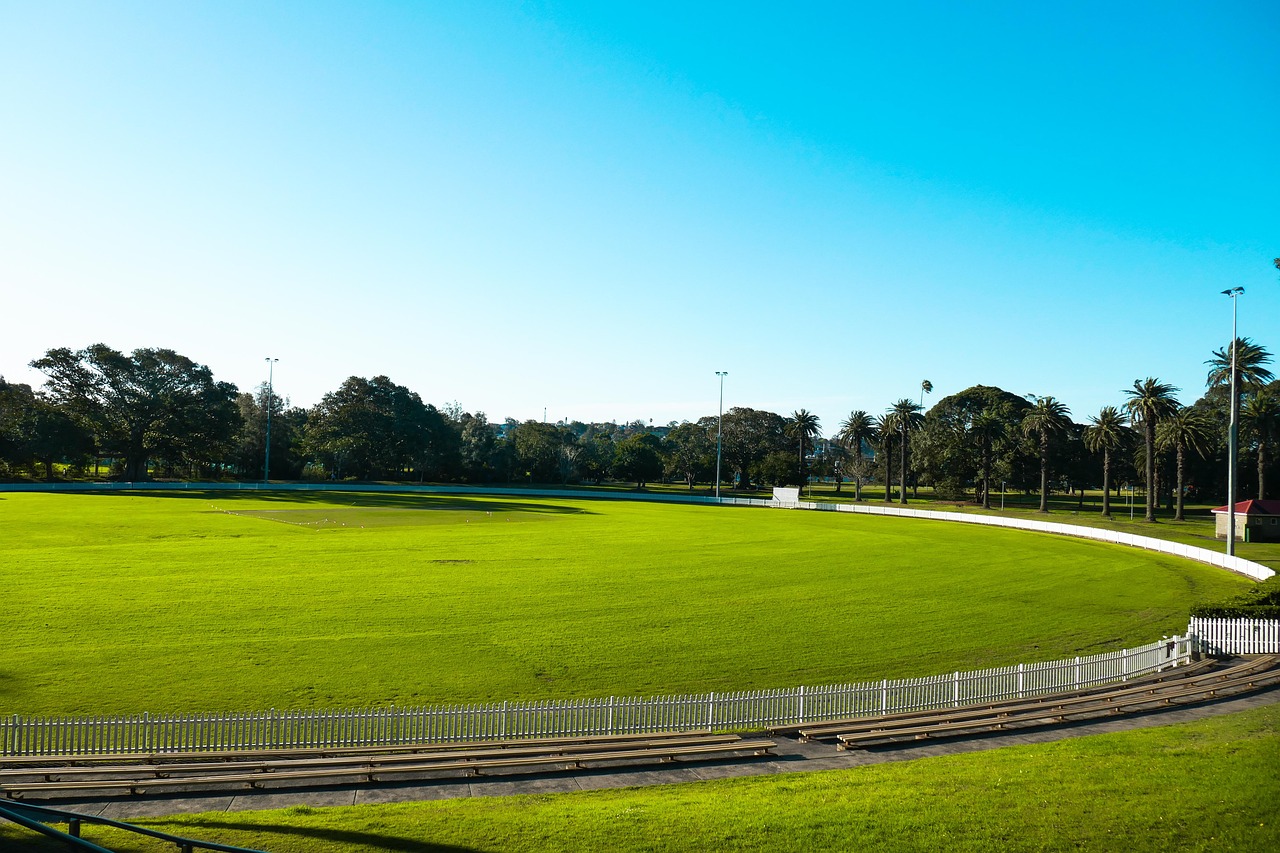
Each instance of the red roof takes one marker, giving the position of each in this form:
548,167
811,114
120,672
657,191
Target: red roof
1254,508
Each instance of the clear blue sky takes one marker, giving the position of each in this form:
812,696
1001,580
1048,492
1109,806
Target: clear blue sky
592,207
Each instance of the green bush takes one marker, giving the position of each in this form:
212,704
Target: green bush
1258,602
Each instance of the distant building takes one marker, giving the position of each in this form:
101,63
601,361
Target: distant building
1256,521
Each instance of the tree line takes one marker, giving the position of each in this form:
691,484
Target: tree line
156,413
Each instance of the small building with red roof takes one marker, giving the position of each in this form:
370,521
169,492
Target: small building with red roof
1256,521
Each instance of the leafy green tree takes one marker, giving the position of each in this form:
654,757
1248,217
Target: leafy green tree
857,430
1261,415
1150,401
374,428
478,441
690,451
1046,417
958,445
597,454
149,400
537,447
748,436
779,468
36,431
1185,429
907,418
638,457
1105,434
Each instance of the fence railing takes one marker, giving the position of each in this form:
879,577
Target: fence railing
739,711
1236,636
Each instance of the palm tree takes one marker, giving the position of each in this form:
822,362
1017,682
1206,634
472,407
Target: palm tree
987,425
1150,401
926,387
1262,415
1047,417
907,415
804,428
1106,433
1250,358
886,425
856,429
1186,429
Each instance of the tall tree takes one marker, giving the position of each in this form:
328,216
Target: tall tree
1046,417
749,435
803,427
1251,361
1150,401
926,387
886,427
1185,429
142,402
987,426
1105,434
907,417
690,450
1261,416
638,457
857,429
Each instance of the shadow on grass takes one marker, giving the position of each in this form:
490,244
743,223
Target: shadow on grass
380,500
362,840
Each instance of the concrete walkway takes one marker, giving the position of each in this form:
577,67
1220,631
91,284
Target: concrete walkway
791,757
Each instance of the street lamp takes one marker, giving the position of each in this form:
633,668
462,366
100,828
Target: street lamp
266,466
1233,433
719,423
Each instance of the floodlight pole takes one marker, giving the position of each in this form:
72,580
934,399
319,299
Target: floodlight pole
1233,433
719,423
266,465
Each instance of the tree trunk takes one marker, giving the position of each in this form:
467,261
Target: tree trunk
986,475
1044,472
1150,434
888,472
1177,516
1262,463
1106,483
902,474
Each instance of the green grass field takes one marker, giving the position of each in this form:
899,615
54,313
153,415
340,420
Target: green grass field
1212,785
243,601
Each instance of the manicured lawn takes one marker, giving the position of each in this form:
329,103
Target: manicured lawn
240,601
1212,785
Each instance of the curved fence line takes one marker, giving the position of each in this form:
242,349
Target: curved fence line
1241,566
737,711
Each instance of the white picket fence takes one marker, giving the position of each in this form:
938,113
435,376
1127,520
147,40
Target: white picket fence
1236,636
740,711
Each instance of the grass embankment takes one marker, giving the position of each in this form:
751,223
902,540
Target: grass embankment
1212,785
242,601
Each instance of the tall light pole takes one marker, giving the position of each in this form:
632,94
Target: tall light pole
719,423
266,465
1233,432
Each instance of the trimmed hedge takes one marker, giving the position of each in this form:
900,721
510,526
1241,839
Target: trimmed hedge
1259,602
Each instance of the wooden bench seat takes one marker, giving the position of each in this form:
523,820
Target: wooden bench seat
1175,674
480,753
1201,689
828,730
371,771
181,755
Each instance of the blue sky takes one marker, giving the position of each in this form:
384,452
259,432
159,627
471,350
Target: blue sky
592,207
